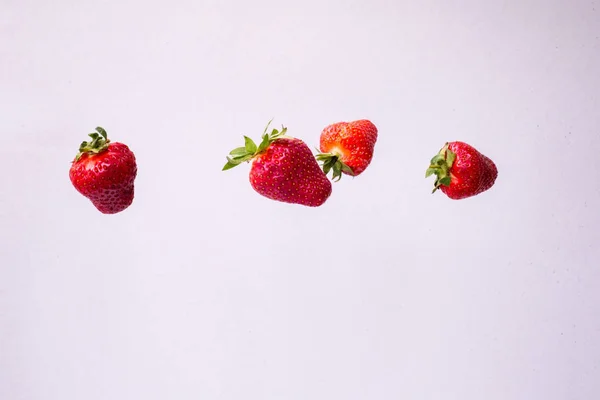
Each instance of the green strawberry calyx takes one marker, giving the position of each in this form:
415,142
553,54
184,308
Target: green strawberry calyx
440,166
250,149
98,144
333,161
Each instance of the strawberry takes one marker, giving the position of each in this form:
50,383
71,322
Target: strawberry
283,169
462,171
347,147
104,172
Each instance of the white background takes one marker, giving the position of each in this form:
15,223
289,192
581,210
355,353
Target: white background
203,289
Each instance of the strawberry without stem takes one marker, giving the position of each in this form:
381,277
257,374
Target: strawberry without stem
462,171
104,172
283,169
347,147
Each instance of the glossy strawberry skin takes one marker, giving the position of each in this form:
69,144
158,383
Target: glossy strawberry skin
287,171
471,173
353,141
106,179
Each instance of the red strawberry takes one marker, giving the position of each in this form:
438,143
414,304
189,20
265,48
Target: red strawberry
104,172
462,171
347,147
283,169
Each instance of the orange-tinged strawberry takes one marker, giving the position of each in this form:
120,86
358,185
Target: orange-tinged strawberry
462,171
283,169
347,147
104,172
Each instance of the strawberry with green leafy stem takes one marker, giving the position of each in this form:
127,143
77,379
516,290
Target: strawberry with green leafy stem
104,172
283,169
347,147
461,171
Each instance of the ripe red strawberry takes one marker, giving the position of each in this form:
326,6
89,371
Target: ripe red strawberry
104,172
347,147
462,171
283,169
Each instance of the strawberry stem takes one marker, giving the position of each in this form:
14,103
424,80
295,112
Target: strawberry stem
250,149
440,166
98,144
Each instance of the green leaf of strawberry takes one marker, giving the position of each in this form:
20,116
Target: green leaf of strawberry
445,181
263,145
430,171
98,144
249,145
238,151
229,165
250,149
440,166
332,161
450,157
